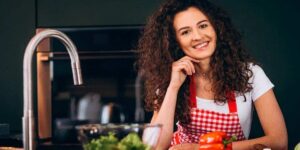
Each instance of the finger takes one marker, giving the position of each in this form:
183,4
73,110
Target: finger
185,66
174,147
191,62
180,66
190,65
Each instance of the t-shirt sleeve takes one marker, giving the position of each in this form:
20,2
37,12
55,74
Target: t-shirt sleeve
260,82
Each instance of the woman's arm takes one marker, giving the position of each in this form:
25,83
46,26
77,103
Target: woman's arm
166,113
165,116
272,122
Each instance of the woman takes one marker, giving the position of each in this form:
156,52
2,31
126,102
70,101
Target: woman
198,73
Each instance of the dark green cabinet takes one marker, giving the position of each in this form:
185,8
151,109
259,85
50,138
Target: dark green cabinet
78,13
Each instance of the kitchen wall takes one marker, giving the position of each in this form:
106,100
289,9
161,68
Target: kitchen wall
52,13
17,25
270,29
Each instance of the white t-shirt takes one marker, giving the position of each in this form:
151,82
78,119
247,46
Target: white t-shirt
260,83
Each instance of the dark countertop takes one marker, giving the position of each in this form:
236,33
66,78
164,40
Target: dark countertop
16,141
51,146
11,140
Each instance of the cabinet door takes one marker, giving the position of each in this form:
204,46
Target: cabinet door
66,13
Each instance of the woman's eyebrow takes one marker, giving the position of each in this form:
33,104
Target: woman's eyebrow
202,21
182,28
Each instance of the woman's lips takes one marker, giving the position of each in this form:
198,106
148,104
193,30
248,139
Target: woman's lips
201,46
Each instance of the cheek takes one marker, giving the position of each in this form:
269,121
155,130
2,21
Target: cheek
183,46
183,42
213,37
214,34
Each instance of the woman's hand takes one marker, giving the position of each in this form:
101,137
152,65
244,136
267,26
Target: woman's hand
185,146
180,69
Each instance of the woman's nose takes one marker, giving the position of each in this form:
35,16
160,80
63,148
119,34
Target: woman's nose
197,35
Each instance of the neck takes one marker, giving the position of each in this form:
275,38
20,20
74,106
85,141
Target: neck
203,67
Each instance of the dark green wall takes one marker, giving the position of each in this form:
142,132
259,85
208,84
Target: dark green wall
93,12
17,25
270,29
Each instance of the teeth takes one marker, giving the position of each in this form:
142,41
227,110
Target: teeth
201,45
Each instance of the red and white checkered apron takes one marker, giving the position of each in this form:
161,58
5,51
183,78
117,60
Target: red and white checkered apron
204,121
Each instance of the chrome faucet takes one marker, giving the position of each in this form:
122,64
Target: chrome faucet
28,118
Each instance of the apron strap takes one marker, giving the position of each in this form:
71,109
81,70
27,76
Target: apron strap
231,102
193,103
230,97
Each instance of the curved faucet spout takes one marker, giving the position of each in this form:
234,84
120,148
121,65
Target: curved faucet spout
28,118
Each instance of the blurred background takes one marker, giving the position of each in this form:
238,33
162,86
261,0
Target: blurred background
105,32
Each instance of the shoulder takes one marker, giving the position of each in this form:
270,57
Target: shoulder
257,72
259,81
255,68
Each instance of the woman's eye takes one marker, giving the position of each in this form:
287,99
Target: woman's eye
202,26
185,32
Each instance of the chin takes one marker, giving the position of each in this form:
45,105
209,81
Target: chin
202,57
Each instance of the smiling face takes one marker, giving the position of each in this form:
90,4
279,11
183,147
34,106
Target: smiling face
195,34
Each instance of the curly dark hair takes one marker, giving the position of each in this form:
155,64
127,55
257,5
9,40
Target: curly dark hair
158,49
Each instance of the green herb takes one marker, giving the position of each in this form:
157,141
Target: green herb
131,142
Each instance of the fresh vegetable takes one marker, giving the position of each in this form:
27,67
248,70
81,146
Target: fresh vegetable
213,146
132,142
216,141
212,137
297,147
110,142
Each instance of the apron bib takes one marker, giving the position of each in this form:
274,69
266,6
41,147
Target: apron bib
204,121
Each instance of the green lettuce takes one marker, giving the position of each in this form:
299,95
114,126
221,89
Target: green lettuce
131,142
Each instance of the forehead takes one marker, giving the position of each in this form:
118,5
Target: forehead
188,17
